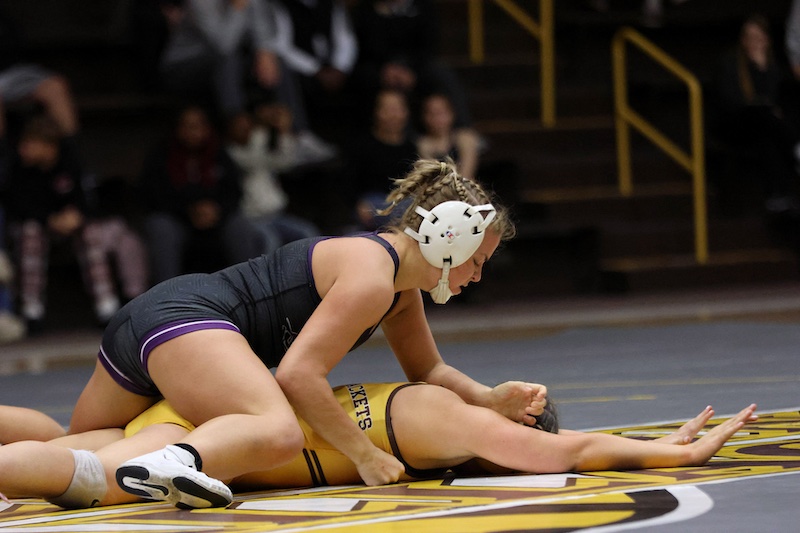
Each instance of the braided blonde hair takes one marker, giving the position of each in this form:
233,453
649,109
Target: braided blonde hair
431,182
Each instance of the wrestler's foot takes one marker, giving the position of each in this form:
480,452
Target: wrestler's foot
170,475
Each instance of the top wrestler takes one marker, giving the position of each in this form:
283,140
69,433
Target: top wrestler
205,341
396,417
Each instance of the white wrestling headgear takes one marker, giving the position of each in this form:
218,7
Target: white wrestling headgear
448,236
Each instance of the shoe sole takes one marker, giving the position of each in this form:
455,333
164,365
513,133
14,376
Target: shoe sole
187,486
183,492
140,474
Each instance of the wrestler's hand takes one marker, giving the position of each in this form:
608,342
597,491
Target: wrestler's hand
379,468
519,401
704,448
687,432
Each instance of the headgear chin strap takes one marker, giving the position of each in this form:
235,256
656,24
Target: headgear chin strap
448,236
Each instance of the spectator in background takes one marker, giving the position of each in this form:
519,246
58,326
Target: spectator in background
751,115
440,140
11,327
397,41
316,40
228,48
46,201
212,48
26,83
386,152
262,150
793,38
191,190
111,235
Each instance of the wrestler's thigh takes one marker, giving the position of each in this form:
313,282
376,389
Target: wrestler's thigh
214,372
104,404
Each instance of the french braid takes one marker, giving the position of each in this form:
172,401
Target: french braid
430,183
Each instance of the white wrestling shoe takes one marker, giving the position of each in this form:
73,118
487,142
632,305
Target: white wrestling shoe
170,475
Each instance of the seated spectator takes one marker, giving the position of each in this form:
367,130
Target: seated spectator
31,83
191,192
316,41
383,154
263,151
397,42
46,202
24,84
213,46
11,327
111,234
440,140
751,118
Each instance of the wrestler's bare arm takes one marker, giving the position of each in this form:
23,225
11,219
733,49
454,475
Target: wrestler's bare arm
463,432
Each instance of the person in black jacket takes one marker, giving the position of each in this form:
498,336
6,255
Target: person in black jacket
47,201
191,193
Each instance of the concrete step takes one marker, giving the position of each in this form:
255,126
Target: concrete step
677,236
734,267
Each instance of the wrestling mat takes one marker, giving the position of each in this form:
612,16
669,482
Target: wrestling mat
600,501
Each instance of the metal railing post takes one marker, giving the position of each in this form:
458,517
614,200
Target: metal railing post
543,31
625,118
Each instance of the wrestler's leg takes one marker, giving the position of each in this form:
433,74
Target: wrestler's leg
21,423
213,379
45,469
147,440
105,404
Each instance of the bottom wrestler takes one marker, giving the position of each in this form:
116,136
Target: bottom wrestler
428,428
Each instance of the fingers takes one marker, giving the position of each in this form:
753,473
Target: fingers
736,422
688,431
707,446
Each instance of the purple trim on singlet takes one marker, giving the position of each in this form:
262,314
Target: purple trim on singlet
377,238
120,378
310,271
167,332
380,240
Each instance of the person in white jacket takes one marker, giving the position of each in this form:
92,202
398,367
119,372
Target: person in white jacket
262,148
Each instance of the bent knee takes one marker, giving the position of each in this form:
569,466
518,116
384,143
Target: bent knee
287,440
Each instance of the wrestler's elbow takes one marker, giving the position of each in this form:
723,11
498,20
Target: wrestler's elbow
288,378
294,380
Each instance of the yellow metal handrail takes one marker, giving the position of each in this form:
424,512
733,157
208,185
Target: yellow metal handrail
625,117
541,30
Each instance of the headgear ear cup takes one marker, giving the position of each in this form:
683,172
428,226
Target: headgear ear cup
448,236
452,230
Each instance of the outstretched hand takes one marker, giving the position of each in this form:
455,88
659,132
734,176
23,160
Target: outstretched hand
519,401
704,449
687,432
